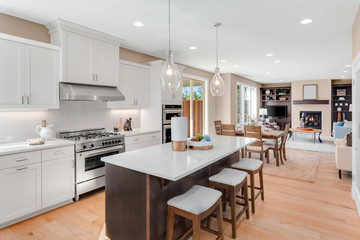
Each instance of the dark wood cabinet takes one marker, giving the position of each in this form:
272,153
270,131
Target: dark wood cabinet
341,98
277,96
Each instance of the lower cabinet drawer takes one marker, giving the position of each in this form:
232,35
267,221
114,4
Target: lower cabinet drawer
18,159
142,145
142,138
56,153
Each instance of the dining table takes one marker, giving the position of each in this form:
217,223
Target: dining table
268,134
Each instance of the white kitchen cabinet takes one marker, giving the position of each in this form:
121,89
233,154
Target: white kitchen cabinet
77,59
143,140
134,83
11,74
20,191
57,181
89,56
30,74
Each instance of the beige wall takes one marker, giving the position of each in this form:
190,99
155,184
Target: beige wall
23,28
324,93
226,105
356,35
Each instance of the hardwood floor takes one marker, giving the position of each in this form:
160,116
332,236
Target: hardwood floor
292,210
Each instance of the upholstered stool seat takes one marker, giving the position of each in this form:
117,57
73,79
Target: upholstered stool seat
248,164
252,166
231,180
229,176
195,204
196,200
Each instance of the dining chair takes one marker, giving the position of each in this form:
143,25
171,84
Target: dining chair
282,146
228,129
217,127
258,146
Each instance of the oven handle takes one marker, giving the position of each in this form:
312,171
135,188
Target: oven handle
167,126
173,111
104,151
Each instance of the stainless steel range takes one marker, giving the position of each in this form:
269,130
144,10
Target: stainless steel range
91,145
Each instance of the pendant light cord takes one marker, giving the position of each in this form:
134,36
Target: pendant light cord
169,26
217,25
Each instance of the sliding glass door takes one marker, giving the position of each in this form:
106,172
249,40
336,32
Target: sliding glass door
194,105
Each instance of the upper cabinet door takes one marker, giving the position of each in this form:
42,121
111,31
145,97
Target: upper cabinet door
11,75
78,56
143,87
43,67
106,67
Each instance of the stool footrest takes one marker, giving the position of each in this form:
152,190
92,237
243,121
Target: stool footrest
211,231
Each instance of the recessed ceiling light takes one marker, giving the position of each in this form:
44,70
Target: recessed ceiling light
192,48
269,55
281,80
223,61
306,21
274,76
277,61
138,24
235,66
267,73
345,71
348,65
342,76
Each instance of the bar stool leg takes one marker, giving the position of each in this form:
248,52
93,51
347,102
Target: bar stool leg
252,192
196,228
233,211
170,224
220,220
246,198
261,184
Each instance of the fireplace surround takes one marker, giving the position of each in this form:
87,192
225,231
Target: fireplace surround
312,119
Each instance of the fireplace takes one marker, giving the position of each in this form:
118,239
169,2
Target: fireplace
312,119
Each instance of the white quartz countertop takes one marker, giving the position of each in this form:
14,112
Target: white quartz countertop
138,131
161,161
18,147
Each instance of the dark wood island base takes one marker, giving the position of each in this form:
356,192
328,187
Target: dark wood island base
136,203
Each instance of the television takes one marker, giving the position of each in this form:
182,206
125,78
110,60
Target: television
276,111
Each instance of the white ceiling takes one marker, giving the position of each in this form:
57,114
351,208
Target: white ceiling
251,29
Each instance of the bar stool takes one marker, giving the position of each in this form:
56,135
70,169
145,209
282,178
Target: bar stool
232,180
252,167
195,204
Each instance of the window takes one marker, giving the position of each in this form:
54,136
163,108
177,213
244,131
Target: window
194,105
246,103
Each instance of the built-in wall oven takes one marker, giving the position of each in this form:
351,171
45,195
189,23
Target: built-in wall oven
169,111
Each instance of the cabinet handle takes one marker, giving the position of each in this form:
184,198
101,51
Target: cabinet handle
93,75
28,99
136,139
21,159
58,152
96,77
153,136
136,102
22,99
23,168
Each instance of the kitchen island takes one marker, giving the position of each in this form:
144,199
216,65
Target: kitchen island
139,183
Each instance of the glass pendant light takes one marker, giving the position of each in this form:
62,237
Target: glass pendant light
170,76
217,84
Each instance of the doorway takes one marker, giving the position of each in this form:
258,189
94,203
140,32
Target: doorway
194,105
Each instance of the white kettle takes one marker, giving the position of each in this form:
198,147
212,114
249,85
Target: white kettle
45,132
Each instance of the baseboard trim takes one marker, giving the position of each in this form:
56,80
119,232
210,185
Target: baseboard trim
11,222
356,196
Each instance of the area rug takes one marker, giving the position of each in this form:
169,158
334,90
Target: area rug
300,165
326,146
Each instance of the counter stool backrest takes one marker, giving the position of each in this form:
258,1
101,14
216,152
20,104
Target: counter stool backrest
228,129
217,127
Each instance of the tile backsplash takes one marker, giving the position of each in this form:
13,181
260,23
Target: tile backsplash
20,125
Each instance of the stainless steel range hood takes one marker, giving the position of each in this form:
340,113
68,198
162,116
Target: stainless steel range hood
80,92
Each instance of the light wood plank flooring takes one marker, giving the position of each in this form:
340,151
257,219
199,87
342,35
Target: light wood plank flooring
291,210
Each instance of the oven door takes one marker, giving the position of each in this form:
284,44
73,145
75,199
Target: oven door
168,114
166,133
89,164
